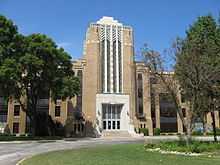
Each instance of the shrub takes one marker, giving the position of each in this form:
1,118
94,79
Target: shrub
7,130
136,130
197,133
144,131
156,131
217,132
194,147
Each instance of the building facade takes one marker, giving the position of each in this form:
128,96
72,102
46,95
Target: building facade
118,94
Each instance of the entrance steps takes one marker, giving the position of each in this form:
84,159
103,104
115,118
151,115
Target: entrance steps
115,134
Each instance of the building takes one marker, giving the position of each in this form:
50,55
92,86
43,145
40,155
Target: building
118,94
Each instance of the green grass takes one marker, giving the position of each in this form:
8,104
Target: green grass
125,154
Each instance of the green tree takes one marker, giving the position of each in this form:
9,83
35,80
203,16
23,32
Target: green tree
33,67
198,67
156,62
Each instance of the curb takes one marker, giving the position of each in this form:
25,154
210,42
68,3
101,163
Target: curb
20,161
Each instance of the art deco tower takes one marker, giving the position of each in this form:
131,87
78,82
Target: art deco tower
109,76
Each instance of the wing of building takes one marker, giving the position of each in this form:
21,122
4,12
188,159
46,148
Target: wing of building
118,94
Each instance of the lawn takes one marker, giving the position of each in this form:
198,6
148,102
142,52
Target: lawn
125,154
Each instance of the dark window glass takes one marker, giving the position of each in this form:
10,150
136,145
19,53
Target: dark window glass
120,66
16,110
184,112
183,99
103,65
15,127
118,124
104,124
108,66
139,76
57,111
113,124
74,128
114,66
82,127
104,111
109,124
140,93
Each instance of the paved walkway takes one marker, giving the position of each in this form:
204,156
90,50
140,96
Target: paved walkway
12,152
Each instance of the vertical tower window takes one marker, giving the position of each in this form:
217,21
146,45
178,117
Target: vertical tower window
15,127
57,110
111,58
17,110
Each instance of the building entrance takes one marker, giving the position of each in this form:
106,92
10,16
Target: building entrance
111,115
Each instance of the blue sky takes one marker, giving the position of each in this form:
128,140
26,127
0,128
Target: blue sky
156,22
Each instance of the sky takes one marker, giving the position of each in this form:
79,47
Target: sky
155,22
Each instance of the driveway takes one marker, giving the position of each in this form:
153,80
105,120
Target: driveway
12,152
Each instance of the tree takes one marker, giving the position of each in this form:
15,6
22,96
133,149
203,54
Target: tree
197,67
31,66
157,65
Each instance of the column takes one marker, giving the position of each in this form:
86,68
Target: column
147,102
157,110
216,119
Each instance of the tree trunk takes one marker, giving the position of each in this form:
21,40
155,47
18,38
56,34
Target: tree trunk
213,126
188,134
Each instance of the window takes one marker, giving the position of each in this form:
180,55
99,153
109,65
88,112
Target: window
57,111
183,98
16,110
139,76
15,127
184,112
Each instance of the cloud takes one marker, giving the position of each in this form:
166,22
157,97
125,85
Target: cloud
64,44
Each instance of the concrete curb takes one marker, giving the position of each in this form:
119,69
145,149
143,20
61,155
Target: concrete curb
20,161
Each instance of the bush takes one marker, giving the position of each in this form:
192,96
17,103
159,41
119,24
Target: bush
7,130
217,132
136,130
194,147
156,131
144,131
197,133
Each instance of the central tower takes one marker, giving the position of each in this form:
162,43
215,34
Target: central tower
109,77
111,41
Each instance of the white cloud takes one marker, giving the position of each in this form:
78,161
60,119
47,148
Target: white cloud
64,44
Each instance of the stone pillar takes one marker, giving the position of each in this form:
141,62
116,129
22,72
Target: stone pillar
157,110
10,115
209,121
147,102
179,124
216,119
22,122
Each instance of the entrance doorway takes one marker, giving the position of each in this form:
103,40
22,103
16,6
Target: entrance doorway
111,115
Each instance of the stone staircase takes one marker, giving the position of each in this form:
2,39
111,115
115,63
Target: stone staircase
115,134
